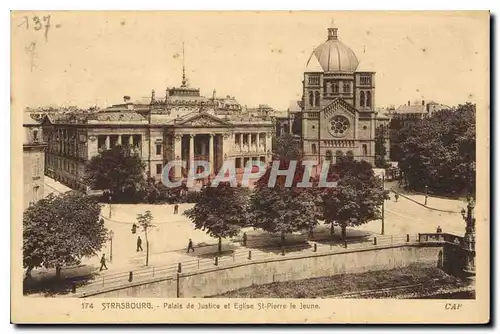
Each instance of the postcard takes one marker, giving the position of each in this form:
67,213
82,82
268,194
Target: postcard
187,167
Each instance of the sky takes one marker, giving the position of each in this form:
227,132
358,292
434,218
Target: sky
95,58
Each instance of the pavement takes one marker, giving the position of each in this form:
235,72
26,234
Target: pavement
169,237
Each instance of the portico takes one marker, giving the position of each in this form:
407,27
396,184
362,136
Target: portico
201,147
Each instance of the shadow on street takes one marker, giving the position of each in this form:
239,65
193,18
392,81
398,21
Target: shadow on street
49,285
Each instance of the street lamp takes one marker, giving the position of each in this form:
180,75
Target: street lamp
426,190
111,234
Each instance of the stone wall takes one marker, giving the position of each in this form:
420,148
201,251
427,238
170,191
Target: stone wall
220,280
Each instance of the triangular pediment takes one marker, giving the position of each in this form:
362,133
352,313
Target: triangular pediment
203,120
46,120
336,105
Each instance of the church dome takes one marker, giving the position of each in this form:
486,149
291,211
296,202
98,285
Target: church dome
333,56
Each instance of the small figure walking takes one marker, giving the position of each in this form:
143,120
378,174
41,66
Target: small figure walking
103,262
139,244
439,230
244,238
190,245
176,208
396,196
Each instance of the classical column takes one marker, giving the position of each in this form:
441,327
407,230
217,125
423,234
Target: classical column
178,156
211,154
258,141
249,141
227,145
108,143
268,139
241,141
191,150
131,140
119,141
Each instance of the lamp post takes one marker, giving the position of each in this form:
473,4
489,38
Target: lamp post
469,241
426,190
111,234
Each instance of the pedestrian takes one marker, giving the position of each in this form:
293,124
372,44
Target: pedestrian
190,245
244,238
139,243
439,230
176,208
396,196
103,262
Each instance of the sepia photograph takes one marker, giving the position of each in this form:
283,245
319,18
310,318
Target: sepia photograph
259,167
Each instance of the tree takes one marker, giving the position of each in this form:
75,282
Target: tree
118,170
440,152
380,150
60,231
220,211
287,147
145,221
356,199
297,124
282,209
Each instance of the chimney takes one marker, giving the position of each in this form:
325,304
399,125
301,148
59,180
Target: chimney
408,102
423,102
126,98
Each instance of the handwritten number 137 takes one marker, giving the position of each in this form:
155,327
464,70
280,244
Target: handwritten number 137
37,23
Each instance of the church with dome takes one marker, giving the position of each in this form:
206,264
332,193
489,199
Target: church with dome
337,114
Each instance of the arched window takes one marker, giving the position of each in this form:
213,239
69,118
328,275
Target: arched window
328,155
335,87
362,99
368,99
338,156
313,148
365,150
316,99
311,99
347,87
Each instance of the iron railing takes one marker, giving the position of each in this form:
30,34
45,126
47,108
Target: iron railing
269,253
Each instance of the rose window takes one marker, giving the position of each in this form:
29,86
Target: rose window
339,125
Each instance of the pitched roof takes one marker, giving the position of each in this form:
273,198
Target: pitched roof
119,117
411,109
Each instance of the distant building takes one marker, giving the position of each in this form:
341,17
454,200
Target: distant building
182,125
33,161
415,111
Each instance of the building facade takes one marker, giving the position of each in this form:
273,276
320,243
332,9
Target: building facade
337,108
183,125
33,162
413,112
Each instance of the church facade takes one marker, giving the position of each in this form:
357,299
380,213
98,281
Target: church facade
338,106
